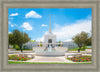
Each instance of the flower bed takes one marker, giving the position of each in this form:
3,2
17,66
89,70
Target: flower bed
80,58
18,58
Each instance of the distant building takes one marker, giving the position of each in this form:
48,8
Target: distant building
69,44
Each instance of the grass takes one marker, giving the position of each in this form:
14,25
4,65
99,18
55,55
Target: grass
74,49
15,62
26,50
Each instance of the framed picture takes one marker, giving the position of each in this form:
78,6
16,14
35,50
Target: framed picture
49,35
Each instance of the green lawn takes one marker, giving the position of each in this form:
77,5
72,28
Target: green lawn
14,62
26,50
74,49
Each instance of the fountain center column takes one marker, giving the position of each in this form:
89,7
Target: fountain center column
50,48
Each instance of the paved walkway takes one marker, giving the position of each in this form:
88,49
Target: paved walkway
49,59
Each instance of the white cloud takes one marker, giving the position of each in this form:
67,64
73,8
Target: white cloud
40,39
32,14
14,14
12,25
27,26
9,32
66,32
43,25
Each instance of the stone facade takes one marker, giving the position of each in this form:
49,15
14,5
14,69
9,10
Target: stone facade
49,38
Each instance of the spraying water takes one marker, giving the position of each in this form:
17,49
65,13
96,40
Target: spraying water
50,48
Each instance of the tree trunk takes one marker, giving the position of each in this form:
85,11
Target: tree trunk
79,49
21,48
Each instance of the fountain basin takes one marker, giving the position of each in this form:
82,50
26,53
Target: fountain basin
57,51
50,53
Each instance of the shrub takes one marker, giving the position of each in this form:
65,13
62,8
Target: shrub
83,48
16,47
22,59
76,49
40,45
24,46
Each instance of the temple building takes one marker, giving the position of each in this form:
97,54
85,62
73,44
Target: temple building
50,40
50,37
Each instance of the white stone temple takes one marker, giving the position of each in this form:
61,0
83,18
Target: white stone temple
49,46
50,38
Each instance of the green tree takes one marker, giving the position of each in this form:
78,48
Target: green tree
18,38
81,39
41,44
59,43
10,39
89,41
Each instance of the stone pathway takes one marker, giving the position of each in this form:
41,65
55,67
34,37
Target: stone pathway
49,59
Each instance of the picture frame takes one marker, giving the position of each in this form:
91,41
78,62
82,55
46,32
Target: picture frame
5,4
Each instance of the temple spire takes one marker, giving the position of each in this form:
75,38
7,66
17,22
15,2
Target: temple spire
50,25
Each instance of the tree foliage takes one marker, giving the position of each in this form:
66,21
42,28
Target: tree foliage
89,41
18,38
10,39
82,39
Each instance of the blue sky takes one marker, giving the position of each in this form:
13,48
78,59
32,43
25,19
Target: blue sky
65,22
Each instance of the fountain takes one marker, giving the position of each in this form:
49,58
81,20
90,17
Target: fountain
49,45
48,51
49,48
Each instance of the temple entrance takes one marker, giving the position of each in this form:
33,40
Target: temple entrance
49,40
